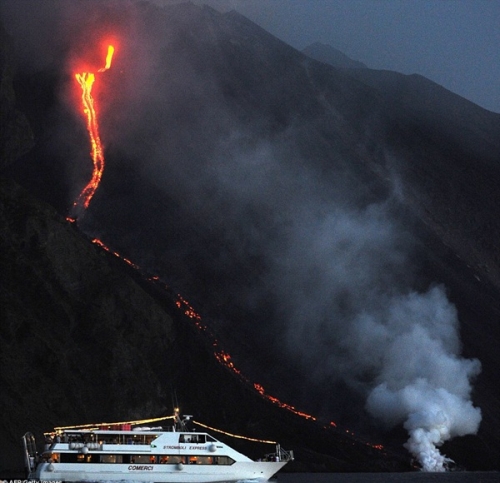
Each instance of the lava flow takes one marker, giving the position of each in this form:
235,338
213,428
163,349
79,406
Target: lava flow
86,81
223,357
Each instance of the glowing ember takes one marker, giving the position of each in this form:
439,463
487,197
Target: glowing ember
183,304
116,254
276,401
224,357
86,81
109,58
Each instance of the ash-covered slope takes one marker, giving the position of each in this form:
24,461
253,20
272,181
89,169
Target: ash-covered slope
444,152
457,194
299,207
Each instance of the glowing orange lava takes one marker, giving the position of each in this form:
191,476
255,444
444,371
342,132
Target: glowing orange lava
109,58
116,254
86,81
283,405
223,357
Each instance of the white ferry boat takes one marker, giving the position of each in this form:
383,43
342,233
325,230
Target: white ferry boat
157,455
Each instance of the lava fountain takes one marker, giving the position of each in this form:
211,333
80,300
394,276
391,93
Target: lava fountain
86,81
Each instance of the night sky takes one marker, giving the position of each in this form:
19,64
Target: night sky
452,42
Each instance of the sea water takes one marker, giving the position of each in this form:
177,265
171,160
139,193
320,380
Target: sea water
411,477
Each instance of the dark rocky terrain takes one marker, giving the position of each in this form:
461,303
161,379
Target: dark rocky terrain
188,136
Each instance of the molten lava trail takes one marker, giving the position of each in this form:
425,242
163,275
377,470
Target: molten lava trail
223,357
86,81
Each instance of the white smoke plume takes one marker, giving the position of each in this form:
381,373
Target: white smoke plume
344,281
425,384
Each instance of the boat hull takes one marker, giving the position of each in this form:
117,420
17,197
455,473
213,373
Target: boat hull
255,470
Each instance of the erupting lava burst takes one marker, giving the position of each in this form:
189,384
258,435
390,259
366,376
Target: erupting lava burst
86,81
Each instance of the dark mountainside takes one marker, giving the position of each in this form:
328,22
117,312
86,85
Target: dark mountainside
330,55
85,337
227,152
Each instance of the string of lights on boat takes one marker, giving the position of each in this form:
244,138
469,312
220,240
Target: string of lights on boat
210,428
137,422
93,426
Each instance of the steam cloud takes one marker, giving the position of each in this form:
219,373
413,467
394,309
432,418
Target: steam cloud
337,263
423,381
342,276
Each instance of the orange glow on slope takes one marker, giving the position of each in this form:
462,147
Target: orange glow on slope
109,58
86,81
183,304
276,401
223,357
116,254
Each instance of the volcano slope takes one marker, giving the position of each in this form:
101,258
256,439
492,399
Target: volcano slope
87,337
282,196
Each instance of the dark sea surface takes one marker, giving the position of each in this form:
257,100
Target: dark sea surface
416,477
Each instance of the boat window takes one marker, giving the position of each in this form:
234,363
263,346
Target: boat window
111,458
81,458
151,438
223,460
210,460
87,458
72,438
172,460
110,439
142,458
192,438
70,457
141,438
201,460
